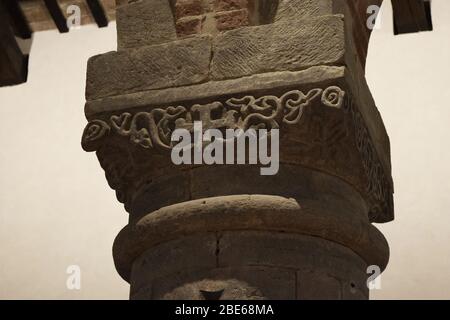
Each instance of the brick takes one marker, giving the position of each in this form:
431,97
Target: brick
232,19
188,26
185,8
229,5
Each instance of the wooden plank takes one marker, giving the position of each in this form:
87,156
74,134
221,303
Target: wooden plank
13,63
98,13
57,15
411,16
17,19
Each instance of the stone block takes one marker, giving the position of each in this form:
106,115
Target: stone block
170,187
248,283
355,290
248,212
144,23
319,75
232,19
185,254
293,45
167,65
291,10
293,251
318,286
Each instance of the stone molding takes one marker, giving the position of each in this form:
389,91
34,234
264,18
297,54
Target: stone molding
247,212
323,135
152,129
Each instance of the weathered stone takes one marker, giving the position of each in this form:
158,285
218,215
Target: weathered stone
355,290
173,64
251,212
289,10
325,138
187,254
170,187
317,75
294,251
144,22
226,231
355,13
312,285
324,268
290,46
255,283
144,293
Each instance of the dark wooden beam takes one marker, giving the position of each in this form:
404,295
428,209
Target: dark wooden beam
412,16
57,15
13,63
98,13
17,19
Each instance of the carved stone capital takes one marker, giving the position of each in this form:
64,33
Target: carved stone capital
321,127
298,69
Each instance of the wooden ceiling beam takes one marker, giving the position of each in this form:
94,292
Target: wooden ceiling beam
412,16
17,19
57,15
98,13
13,63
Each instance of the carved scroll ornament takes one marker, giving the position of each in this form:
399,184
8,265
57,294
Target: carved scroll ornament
153,129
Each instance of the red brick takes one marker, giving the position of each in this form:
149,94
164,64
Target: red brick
229,20
188,26
185,8
228,5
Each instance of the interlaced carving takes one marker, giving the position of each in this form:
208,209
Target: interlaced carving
153,129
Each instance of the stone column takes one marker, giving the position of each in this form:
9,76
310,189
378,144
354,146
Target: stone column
226,231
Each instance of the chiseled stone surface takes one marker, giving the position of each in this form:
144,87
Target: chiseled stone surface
249,212
290,251
259,82
171,64
312,285
249,265
335,140
243,283
292,45
324,268
289,10
186,254
144,22
226,232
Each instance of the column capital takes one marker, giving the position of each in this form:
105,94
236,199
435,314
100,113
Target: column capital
297,67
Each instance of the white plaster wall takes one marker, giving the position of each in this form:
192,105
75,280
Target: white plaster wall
409,78
56,209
